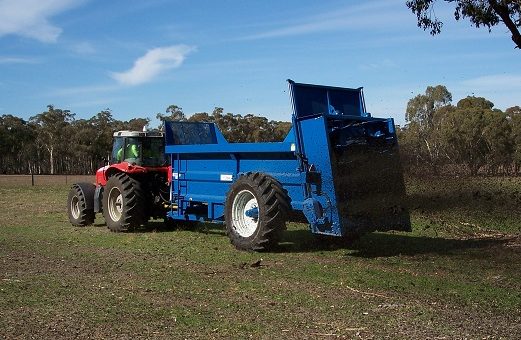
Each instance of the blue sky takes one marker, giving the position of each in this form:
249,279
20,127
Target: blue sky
137,57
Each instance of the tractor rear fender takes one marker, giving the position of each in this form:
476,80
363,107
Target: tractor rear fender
103,174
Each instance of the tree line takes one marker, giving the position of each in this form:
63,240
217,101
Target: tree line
471,137
55,142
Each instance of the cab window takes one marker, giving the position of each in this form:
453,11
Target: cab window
117,150
132,149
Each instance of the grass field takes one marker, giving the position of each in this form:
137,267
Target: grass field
457,275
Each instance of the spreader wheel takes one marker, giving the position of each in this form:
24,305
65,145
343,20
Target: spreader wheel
80,206
123,203
256,212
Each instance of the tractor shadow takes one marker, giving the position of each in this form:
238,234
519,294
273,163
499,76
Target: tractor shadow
199,227
371,245
374,245
158,226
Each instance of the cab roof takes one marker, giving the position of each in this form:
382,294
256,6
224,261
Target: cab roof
126,133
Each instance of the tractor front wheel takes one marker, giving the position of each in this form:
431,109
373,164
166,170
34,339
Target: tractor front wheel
123,203
80,204
256,210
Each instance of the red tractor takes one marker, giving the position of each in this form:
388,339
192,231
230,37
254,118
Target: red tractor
131,189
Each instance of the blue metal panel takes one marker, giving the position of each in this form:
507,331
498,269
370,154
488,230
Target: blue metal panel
320,190
203,173
309,99
228,148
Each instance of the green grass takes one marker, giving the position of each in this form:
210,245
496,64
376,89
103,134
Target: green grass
455,276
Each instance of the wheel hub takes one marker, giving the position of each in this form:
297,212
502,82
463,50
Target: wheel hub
75,207
245,213
115,203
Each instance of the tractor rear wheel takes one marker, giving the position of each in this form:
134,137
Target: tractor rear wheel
123,203
256,212
80,204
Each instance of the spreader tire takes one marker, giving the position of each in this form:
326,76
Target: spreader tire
80,204
256,212
123,203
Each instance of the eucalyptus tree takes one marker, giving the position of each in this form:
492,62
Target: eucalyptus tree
52,132
476,135
424,115
481,13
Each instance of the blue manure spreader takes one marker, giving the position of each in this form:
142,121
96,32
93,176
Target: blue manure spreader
338,167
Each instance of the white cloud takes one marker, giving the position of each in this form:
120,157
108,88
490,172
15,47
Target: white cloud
495,81
83,90
103,102
83,48
17,60
30,18
367,15
152,64
379,65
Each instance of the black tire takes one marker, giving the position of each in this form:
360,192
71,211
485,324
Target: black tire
263,231
80,204
123,203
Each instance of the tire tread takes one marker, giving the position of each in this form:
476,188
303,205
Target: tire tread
87,216
133,214
276,202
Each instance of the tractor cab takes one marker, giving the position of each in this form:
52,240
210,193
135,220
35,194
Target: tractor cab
144,149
